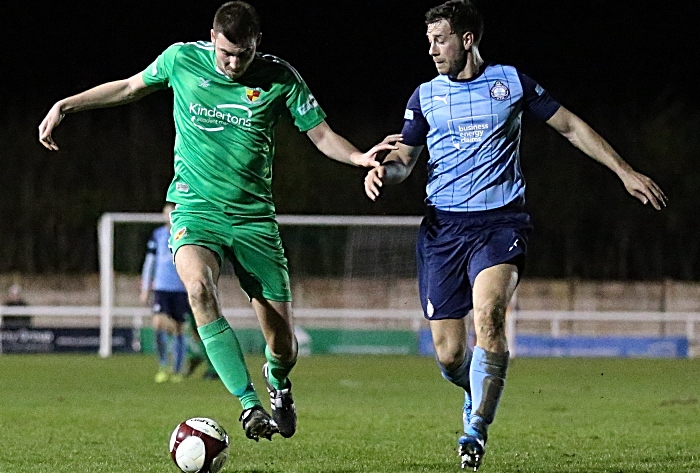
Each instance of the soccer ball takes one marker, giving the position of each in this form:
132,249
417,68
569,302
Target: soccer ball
199,445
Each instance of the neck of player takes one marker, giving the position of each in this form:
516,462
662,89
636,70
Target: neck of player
472,65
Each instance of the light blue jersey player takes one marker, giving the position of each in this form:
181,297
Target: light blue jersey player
170,306
473,240
472,130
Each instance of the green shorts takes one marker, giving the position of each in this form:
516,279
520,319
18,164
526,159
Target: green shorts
253,246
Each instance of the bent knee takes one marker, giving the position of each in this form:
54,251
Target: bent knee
449,358
490,312
200,293
494,305
489,324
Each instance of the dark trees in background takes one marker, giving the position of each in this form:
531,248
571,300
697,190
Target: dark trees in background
585,223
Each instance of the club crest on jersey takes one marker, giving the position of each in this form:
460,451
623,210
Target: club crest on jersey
180,233
252,95
500,91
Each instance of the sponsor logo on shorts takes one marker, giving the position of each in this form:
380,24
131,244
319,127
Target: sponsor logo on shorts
430,310
515,244
500,91
182,187
408,115
180,233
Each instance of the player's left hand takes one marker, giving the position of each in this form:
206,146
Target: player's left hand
644,189
369,159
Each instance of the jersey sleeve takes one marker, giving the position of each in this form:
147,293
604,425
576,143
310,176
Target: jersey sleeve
415,126
305,110
158,73
537,101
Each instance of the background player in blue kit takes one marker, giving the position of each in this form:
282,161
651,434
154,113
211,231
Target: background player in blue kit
473,240
170,306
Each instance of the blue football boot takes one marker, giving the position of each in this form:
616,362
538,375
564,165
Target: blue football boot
471,451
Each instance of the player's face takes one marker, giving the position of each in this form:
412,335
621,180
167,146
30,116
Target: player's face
446,48
231,58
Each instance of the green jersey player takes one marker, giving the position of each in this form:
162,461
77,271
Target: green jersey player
227,100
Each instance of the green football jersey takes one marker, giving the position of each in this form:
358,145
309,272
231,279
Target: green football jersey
224,128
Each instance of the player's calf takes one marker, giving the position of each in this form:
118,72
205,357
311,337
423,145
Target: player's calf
466,410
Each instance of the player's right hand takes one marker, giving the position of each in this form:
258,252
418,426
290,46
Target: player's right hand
50,121
373,182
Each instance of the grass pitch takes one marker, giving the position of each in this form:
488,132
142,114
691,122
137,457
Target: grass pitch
80,413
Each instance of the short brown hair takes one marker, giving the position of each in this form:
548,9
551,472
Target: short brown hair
237,21
462,16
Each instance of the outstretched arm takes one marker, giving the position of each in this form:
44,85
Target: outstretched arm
338,148
101,96
396,167
587,140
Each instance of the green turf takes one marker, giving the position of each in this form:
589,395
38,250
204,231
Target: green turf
356,414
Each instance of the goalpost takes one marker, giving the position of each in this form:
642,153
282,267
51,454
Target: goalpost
333,246
105,236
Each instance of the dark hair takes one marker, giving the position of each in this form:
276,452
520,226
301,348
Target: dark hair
462,16
237,21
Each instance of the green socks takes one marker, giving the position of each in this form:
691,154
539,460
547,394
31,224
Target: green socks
225,354
277,372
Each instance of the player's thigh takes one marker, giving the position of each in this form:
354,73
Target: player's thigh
492,291
442,254
450,340
198,269
259,262
198,239
497,260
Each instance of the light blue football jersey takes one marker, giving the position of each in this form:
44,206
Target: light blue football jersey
472,130
158,267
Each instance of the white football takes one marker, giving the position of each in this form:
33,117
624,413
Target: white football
199,445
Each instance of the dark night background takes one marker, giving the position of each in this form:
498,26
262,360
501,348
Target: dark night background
629,70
